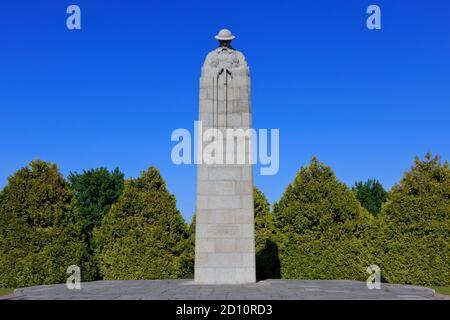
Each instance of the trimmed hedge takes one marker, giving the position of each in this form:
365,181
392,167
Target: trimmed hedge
323,233
40,231
320,226
267,260
318,230
416,219
143,236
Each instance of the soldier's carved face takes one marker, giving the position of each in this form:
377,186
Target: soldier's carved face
225,43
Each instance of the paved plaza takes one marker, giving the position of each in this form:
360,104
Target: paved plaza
188,290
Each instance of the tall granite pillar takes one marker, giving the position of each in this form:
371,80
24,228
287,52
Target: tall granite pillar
225,245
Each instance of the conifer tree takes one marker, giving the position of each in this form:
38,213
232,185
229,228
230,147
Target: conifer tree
143,236
40,230
320,227
96,190
267,260
371,195
416,240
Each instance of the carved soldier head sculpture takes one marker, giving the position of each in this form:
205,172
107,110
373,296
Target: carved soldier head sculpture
224,36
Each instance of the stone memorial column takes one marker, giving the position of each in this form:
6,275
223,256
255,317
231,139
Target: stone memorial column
225,244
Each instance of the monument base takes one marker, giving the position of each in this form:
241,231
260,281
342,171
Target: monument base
225,275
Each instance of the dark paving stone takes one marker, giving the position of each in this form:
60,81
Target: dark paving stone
188,290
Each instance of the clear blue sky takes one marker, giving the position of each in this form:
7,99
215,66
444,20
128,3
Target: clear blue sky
364,102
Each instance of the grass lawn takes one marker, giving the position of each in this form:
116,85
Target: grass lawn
5,291
442,290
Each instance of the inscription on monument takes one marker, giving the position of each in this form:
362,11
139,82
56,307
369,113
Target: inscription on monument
224,230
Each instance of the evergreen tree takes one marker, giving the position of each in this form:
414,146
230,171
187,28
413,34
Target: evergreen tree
143,235
40,231
96,190
267,260
320,227
416,239
190,252
315,200
370,194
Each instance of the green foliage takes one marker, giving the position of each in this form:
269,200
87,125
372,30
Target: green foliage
262,218
314,201
371,195
323,233
318,230
444,290
320,227
143,236
40,233
96,190
6,291
267,261
190,252
416,238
